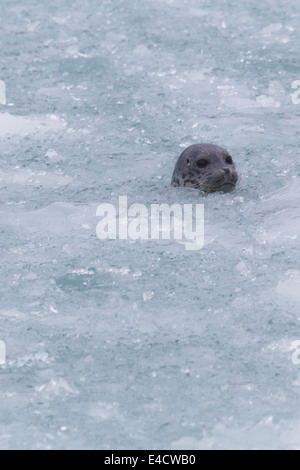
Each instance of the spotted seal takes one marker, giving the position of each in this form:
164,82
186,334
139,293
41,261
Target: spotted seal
206,167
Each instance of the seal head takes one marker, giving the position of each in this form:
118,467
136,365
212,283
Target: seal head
206,167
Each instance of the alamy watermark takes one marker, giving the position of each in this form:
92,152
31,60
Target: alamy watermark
2,353
296,93
158,222
296,354
2,92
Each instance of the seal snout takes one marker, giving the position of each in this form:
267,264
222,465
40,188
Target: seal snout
231,175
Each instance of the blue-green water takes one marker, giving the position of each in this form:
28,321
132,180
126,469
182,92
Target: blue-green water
144,345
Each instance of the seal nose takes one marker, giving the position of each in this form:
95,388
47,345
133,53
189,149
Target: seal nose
230,175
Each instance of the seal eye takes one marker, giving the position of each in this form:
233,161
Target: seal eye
229,160
202,163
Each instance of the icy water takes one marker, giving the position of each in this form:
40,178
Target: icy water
124,344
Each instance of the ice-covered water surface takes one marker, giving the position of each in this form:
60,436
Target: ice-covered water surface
124,344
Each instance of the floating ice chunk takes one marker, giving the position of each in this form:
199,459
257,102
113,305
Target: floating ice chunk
274,210
196,75
284,345
27,177
23,126
13,314
56,387
272,29
61,20
275,33
242,268
30,359
52,155
33,26
137,274
190,443
142,51
197,12
56,218
267,102
105,411
290,288
124,271
147,296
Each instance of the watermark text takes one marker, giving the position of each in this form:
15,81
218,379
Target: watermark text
2,92
158,222
2,353
296,354
296,93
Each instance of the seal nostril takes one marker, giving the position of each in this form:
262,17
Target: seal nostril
227,170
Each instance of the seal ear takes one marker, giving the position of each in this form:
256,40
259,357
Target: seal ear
188,162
